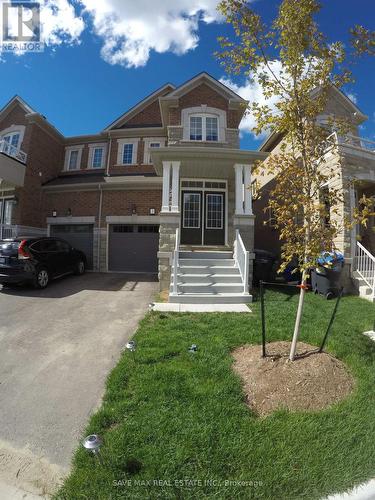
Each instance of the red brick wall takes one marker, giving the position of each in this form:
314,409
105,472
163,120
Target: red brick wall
203,94
148,116
86,203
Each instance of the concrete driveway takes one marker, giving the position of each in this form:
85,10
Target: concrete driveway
57,347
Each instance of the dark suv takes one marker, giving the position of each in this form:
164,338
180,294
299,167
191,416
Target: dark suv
38,260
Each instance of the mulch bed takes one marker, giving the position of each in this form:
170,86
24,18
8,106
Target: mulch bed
313,381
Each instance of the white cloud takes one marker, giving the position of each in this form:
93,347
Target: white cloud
60,23
131,29
252,91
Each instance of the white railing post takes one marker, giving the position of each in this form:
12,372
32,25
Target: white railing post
175,264
241,256
365,267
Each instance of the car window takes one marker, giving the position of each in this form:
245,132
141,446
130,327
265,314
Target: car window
63,246
49,246
37,246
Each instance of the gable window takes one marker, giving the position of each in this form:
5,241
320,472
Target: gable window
196,128
12,139
204,128
127,154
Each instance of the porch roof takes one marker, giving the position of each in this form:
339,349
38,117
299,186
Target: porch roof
207,161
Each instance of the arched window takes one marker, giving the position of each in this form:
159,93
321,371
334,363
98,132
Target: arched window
203,124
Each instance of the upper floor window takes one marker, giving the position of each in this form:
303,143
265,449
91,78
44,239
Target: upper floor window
97,158
97,154
73,155
13,139
151,143
127,151
202,123
73,159
127,154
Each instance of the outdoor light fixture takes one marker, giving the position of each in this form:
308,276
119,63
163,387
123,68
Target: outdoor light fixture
193,348
133,209
54,213
69,212
152,211
93,443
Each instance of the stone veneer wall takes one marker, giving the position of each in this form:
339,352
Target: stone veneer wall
167,240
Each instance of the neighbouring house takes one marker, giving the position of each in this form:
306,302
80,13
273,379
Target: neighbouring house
353,157
162,189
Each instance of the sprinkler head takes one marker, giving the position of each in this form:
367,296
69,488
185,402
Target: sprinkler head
131,345
93,443
193,348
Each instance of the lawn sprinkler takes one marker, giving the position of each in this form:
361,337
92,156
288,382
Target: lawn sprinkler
132,346
93,443
193,348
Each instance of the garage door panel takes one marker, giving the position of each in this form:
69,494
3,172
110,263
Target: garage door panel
133,248
80,236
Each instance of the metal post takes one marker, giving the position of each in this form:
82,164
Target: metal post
263,319
331,320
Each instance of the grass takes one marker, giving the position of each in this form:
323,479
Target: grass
181,419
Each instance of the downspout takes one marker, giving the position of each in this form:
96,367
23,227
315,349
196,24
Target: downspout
109,156
99,223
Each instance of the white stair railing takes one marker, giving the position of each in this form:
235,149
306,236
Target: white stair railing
241,257
365,267
175,263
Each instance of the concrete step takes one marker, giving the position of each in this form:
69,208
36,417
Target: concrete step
220,298
202,269
205,255
208,278
206,262
209,288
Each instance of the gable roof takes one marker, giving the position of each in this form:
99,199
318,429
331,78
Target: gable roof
140,106
14,101
211,82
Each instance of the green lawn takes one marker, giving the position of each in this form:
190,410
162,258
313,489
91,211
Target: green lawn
172,417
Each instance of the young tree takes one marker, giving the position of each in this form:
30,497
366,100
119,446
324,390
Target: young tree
296,67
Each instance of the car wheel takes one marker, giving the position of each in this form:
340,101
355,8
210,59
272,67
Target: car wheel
80,268
42,278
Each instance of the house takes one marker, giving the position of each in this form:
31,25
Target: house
354,159
162,189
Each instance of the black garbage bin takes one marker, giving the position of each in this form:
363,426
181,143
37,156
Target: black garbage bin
326,281
263,265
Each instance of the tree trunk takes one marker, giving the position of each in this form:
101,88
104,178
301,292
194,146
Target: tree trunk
297,325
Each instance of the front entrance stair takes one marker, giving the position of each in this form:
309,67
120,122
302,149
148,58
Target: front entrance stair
208,277
364,290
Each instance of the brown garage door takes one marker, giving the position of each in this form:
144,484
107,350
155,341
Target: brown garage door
80,236
133,248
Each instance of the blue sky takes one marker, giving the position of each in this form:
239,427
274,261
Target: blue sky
95,70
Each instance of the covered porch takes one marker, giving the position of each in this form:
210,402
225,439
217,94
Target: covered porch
206,203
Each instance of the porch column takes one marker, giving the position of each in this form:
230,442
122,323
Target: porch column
175,185
239,189
166,185
247,190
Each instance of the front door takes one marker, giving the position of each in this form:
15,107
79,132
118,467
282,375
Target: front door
214,227
202,218
191,223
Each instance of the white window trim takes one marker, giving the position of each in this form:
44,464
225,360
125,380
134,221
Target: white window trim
92,147
14,129
68,151
120,150
147,142
204,111
222,211
185,226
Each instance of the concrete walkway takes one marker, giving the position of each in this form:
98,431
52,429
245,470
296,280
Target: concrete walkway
364,492
200,308
57,347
